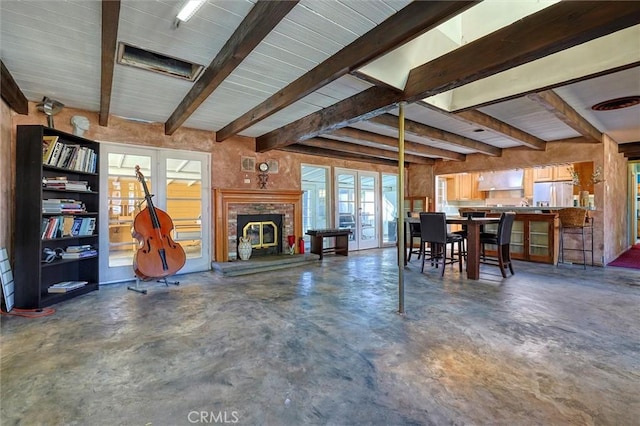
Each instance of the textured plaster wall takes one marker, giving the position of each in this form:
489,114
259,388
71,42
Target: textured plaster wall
7,178
225,156
615,191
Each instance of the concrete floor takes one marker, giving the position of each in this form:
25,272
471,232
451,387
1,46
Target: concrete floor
325,345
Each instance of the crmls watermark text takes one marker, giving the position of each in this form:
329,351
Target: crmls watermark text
209,417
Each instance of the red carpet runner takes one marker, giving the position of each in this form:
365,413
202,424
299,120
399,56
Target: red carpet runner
628,259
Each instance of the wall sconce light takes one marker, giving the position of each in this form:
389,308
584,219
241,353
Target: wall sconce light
50,107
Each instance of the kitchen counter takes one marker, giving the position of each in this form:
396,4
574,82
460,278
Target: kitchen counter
519,209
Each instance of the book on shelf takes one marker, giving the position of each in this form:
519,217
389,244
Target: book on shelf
78,249
80,255
67,226
58,205
48,143
87,226
67,155
69,185
65,286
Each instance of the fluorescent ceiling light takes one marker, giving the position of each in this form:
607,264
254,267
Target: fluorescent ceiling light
189,9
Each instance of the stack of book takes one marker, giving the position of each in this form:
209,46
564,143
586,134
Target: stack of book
65,286
62,183
59,205
79,252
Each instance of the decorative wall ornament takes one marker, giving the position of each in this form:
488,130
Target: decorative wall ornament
80,124
273,166
50,107
247,164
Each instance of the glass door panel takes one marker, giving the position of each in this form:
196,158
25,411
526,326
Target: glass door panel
346,203
358,207
389,208
315,187
184,204
125,199
368,219
187,203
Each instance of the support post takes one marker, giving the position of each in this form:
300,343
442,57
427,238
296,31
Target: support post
401,234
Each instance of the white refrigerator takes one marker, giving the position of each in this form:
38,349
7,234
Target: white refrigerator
553,194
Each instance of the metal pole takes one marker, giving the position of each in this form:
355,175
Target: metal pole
400,232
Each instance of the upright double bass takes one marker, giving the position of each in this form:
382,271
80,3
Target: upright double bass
158,255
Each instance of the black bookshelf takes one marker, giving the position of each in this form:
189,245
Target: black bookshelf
32,275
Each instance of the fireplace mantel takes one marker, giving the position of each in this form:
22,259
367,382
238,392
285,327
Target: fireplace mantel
224,197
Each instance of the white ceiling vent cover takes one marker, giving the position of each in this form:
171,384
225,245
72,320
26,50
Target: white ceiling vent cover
157,62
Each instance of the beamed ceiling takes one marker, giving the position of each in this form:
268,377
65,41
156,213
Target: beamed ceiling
327,77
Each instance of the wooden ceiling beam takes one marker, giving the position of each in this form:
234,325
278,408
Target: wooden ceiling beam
340,155
550,30
423,130
259,22
557,27
486,122
408,23
11,93
348,134
631,149
550,101
364,105
355,148
110,19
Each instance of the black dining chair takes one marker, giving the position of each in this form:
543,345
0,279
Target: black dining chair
502,240
464,232
433,231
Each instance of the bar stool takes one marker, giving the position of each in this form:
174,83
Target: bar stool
573,220
502,241
414,232
433,227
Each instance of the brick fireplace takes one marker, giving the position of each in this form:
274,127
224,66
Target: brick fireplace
229,203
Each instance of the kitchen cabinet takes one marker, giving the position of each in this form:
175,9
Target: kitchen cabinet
416,204
562,172
463,186
543,174
534,237
528,183
551,173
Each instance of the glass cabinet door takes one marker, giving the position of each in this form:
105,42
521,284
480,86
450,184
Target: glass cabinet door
539,239
517,239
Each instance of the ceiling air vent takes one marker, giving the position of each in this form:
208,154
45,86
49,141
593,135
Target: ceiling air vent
157,62
618,103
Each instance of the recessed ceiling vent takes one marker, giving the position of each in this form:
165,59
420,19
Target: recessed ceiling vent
157,62
617,103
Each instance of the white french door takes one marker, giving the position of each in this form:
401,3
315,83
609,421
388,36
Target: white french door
358,207
179,184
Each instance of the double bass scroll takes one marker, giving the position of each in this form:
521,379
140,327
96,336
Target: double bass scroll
158,256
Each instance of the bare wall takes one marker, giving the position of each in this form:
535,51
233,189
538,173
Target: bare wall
7,178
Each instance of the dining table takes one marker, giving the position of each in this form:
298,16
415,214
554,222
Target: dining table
474,228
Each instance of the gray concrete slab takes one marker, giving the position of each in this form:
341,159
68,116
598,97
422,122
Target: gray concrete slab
324,344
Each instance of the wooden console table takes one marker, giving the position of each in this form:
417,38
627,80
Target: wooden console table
341,246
